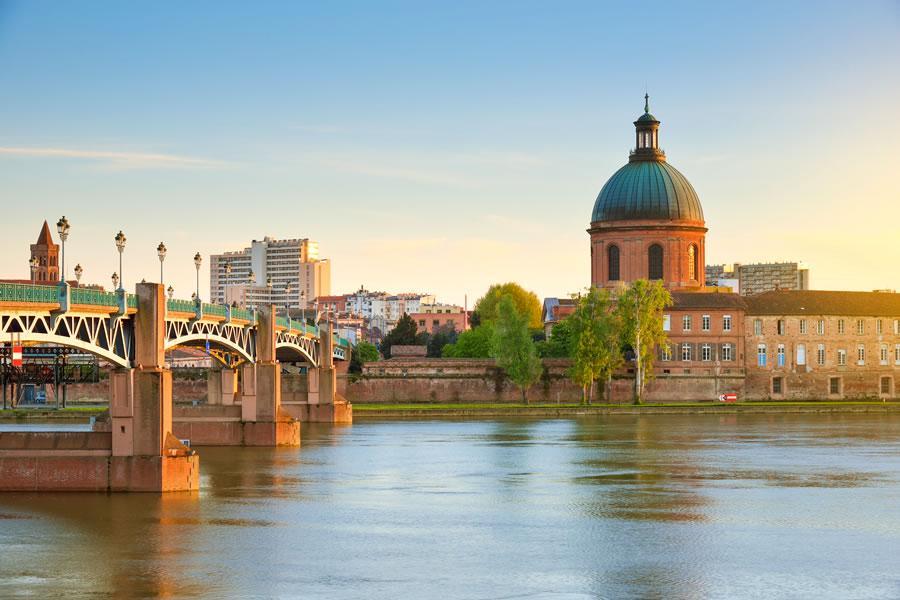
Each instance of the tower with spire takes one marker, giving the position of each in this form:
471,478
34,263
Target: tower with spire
46,253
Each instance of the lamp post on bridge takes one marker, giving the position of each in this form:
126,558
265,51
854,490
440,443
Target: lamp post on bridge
62,227
251,280
198,260
115,280
120,246
33,264
171,292
161,253
78,272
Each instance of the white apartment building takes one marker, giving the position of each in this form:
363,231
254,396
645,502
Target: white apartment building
286,273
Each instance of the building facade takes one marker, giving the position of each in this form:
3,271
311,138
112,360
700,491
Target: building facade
751,279
287,273
45,255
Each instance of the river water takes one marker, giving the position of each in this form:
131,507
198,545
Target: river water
771,506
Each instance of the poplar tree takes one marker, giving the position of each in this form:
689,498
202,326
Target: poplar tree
596,351
513,347
640,312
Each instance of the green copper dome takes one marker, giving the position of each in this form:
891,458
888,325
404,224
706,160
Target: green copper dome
647,190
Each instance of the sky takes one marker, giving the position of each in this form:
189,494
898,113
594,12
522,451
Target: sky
442,147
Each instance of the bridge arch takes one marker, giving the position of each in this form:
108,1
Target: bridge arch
109,338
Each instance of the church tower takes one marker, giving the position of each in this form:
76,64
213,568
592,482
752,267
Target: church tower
46,254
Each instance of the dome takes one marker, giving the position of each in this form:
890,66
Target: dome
647,190
647,118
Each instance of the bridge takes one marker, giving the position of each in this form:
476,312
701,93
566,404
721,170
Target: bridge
138,447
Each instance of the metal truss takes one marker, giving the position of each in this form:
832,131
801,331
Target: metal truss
110,338
221,335
306,347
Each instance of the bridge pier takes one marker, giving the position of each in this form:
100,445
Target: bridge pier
221,386
323,403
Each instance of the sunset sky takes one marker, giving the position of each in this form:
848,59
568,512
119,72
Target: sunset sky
444,146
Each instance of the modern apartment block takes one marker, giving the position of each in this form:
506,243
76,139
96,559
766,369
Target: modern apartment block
752,279
286,273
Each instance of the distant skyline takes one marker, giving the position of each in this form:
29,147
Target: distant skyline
442,148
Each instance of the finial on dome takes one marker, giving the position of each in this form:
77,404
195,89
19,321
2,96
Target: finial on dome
646,103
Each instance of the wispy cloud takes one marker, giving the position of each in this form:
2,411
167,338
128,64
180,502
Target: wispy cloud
116,159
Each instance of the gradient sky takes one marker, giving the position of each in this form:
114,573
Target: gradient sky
444,146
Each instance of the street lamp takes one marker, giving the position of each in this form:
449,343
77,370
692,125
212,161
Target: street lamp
62,227
120,245
287,295
161,253
34,263
115,280
198,260
78,272
171,291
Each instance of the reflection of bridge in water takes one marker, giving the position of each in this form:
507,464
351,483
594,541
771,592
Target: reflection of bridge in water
132,332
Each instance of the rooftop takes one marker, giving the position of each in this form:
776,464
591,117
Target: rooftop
816,302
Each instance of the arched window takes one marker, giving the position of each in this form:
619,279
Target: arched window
655,262
612,256
692,262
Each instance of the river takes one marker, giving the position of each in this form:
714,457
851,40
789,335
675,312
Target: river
734,506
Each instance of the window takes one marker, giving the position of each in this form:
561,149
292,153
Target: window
780,355
801,354
686,323
761,355
860,326
778,385
896,326
666,352
667,322
686,352
655,262
780,326
840,326
802,325
883,354
726,323
820,354
704,323
706,352
726,352
834,386
820,326
886,385
897,354
878,326
692,262
757,326
842,357
421,322
860,355
612,262
436,322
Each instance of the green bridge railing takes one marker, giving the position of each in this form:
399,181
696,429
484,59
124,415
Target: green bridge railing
18,292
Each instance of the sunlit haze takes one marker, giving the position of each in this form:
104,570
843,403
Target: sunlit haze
441,148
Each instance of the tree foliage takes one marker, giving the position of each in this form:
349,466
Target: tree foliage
595,348
513,347
362,353
404,334
475,343
526,303
640,309
440,337
559,344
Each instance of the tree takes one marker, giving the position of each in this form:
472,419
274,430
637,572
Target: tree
362,353
526,303
639,310
513,347
596,351
559,345
475,343
443,335
404,334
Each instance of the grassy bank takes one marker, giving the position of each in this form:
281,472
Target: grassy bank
72,413
427,410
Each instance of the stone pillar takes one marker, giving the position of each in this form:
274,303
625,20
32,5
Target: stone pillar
327,382
146,455
220,386
264,423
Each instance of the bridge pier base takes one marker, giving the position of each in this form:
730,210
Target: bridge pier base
221,386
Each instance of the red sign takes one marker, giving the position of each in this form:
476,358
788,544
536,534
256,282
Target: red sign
731,397
17,355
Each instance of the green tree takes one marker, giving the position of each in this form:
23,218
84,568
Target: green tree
362,353
475,343
443,335
559,345
640,312
513,347
404,334
596,351
526,303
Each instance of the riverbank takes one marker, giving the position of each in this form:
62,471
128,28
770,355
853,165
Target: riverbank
485,410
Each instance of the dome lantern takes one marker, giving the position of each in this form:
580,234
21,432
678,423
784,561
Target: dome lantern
646,146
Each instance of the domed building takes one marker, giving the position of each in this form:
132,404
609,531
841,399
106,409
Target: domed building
647,221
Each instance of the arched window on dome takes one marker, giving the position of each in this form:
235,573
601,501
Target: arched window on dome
692,262
655,262
612,263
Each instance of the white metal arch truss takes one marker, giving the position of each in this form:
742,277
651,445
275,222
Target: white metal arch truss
110,338
240,340
306,346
